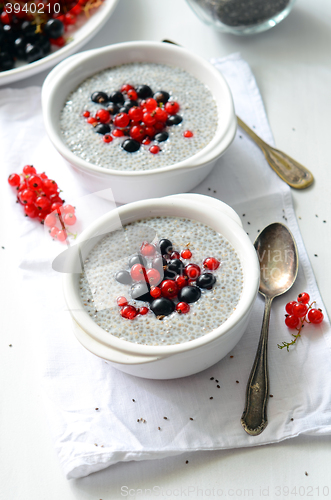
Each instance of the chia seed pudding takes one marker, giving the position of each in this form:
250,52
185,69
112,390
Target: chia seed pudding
198,114
99,289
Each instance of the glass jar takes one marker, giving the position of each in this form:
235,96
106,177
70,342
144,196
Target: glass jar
242,17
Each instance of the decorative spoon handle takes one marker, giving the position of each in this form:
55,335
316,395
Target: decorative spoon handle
254,418
291,171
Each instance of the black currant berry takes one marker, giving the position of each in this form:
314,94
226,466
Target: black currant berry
162,306
123,277
140,291
137,259
144,91
130,145
19,47
6,61
159,263
165,246
54,28
189,294
130,104
174,120
102,128
33,52
161,96
99,97
113,108
206,280
44,44
117,97
177,266
161,136
28,28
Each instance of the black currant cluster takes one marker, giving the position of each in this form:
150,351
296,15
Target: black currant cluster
20,41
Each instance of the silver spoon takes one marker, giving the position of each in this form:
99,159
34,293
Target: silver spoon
278,255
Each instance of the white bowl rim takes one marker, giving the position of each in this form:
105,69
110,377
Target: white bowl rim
55,77
74,303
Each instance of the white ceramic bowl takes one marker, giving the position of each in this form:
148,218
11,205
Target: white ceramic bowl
138,185
165,362
79,35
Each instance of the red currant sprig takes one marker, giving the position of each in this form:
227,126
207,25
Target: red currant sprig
298,313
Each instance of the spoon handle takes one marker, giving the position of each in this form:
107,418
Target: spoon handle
288,169
254,418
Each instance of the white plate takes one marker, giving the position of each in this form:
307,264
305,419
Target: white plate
81,34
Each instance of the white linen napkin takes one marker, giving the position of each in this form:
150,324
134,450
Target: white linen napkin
92,408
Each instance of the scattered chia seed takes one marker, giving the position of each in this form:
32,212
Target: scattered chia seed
216,381
159,428
165,418
10,345
231,356
244,215
191,418
4,247
211,397
323,221
315,255
218,386
211,378
291,419
134,400
237,381
240,137
248,223
306,473
271,395
96,409
209,189
188,462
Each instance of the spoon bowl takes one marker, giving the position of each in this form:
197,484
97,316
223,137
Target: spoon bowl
278,256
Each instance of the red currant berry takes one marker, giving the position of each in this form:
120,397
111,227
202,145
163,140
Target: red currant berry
69,219
76,10
68,209
154,150
30,211
43,176
61,235
161,115
43,203
138,272
60,41
135,114
187,134
292,321
304,298
155,292
143,310
211,263
138,132
132,95
55,198
149,118
172,107
186,254
103,116
146,141
181,281
169,289
54,232
122,120
147,249
153,276
14,180
174,255
107,138
192,271
182,308
86,114
69,19
50,186
42,215
29,170
56,207
126,87
315,316
50,220
299,310
92,121
289,307
150,104
27,196
129,312
159,126
121,301
5,17
117,133
34,182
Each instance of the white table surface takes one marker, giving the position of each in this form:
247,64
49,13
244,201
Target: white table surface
292,66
